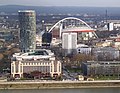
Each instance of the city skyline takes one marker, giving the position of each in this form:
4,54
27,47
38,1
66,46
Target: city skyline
92,3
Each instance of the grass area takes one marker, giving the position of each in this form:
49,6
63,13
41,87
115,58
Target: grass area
106,78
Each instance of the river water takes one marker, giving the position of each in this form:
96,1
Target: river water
86,90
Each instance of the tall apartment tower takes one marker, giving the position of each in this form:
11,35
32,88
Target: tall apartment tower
27,23
69,43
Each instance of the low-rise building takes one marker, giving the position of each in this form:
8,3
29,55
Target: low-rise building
92,68
84,49
27,63
106,53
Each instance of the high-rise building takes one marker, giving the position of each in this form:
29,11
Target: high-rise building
46,37
27,23
69,42
46,40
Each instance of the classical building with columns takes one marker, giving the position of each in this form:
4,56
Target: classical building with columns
25,64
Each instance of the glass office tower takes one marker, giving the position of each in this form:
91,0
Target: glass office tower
27,23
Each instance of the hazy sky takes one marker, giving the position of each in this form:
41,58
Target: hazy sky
99,3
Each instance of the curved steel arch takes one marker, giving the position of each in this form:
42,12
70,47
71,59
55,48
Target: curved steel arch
67,19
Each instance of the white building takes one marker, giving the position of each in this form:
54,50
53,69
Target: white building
113,24
42,61
110,26
83,49
38,41
69,42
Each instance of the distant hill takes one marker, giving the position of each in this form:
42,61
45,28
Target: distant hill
61,10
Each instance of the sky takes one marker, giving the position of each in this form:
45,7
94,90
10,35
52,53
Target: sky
91,3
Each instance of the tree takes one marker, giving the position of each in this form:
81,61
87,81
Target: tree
1,56
77,59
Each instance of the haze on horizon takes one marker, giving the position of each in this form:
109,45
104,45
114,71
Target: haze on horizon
89,3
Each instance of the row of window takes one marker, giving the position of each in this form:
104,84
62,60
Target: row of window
36,63
36,68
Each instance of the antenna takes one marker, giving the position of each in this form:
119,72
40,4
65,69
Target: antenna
106,15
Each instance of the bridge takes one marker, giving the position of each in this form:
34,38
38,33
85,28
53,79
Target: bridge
72,24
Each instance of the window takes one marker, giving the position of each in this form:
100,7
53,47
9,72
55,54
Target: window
12,68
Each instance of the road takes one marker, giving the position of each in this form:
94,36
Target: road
51,81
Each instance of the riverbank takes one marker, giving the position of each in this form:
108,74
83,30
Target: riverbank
58,84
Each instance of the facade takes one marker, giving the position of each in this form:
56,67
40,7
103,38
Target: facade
110,26
27,23
84,33
47,68
46,38
106,68
106,53
38,41
45,65
84,49
113,25
69,42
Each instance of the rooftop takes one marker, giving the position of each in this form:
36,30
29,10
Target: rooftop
37,54
79,29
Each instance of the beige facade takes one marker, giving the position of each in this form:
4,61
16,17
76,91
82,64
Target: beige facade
19,67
